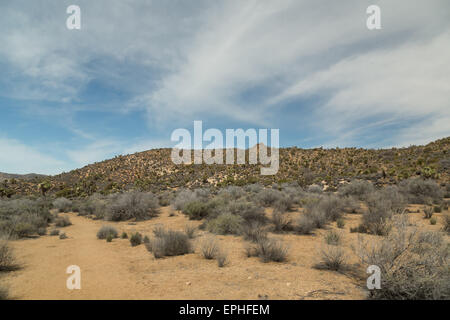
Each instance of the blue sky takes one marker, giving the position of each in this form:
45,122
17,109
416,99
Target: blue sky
137,70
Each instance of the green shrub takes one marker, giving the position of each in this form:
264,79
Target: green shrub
226,223
433,221
428,212
136,239
124,235
63,236
105,231
196,210
281,222
437,209
109,238
340,223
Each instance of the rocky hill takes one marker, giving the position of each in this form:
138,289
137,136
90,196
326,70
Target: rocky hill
153,170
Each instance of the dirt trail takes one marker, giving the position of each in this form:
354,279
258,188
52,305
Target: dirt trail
118,271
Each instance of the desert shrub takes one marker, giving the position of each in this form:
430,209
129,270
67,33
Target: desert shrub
437,209
376,220
109,238
105,231
305,225
7,260
190,230
62,204
62,222
332,257
446,222
281,222
42,231
222,258
314,188
253,188
146,239
184,197
333,238
232,192
395,198
21,218
414,265
196,210
165,198
428,212
433,221
209,248
271,250
247,210
340,223
268,197
283,204
169,243
225,223
254,231
421,191
135,239
132,205
54,232
63,236
357,188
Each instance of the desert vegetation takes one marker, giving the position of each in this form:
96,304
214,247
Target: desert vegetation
385,209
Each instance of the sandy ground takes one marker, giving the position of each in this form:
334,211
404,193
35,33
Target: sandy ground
118,271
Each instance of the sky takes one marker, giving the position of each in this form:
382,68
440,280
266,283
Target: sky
138,70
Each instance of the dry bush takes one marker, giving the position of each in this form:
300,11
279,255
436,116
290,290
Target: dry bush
421,191
62,204
105,231
185,197
54,232
377,218
281,222
169,243
226,223
20,218
304,225
62,222
209,248
446,222
271,250
222,258
428,212
268,197
190,230
314,188
332,257
254,231
247,210
132,205
253,188
232,192
357,188
63,236
414,266
333,238
7,260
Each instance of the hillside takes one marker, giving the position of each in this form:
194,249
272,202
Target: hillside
153,170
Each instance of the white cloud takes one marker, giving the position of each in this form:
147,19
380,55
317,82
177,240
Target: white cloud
16,157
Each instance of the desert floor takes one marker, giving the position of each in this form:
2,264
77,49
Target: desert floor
118,271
